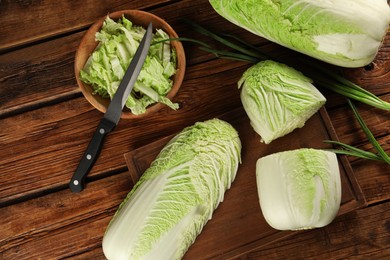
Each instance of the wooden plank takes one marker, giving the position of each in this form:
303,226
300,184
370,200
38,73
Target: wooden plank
62,223
42,147
44,16
374,179
41,74
341,238
68,225
62,243
362,234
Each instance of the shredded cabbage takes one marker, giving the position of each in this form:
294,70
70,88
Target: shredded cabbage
118,42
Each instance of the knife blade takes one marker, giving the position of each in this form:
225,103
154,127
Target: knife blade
112,115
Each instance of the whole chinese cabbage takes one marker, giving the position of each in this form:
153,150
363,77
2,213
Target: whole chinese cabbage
299,189
168,207
277,99
342,32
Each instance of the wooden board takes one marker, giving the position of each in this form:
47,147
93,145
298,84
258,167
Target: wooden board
45,14
237,225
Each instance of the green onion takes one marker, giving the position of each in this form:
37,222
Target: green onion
182,39
241,49
353,151
369,135
230,55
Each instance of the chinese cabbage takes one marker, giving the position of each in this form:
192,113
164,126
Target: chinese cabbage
346,33
277,99
168,207
299,189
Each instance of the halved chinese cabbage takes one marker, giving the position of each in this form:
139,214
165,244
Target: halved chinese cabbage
168,207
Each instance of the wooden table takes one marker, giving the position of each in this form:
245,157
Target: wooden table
46,124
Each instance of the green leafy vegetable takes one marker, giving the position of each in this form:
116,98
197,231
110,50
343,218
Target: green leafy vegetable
278,99
347,33
118,42
168,207
299,189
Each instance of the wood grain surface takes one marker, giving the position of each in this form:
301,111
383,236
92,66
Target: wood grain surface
46,124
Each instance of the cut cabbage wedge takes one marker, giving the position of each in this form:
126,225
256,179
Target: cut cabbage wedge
168,207
278,99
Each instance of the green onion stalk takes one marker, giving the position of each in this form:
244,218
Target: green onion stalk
380,154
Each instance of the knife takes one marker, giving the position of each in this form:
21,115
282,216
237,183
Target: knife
113,113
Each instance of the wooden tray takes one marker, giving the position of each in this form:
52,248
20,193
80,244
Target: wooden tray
238,226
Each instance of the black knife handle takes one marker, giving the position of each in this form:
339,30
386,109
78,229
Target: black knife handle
93,150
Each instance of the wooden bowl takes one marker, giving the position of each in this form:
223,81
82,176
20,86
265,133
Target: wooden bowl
88,45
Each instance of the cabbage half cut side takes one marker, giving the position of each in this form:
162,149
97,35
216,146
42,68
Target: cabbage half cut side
299,189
